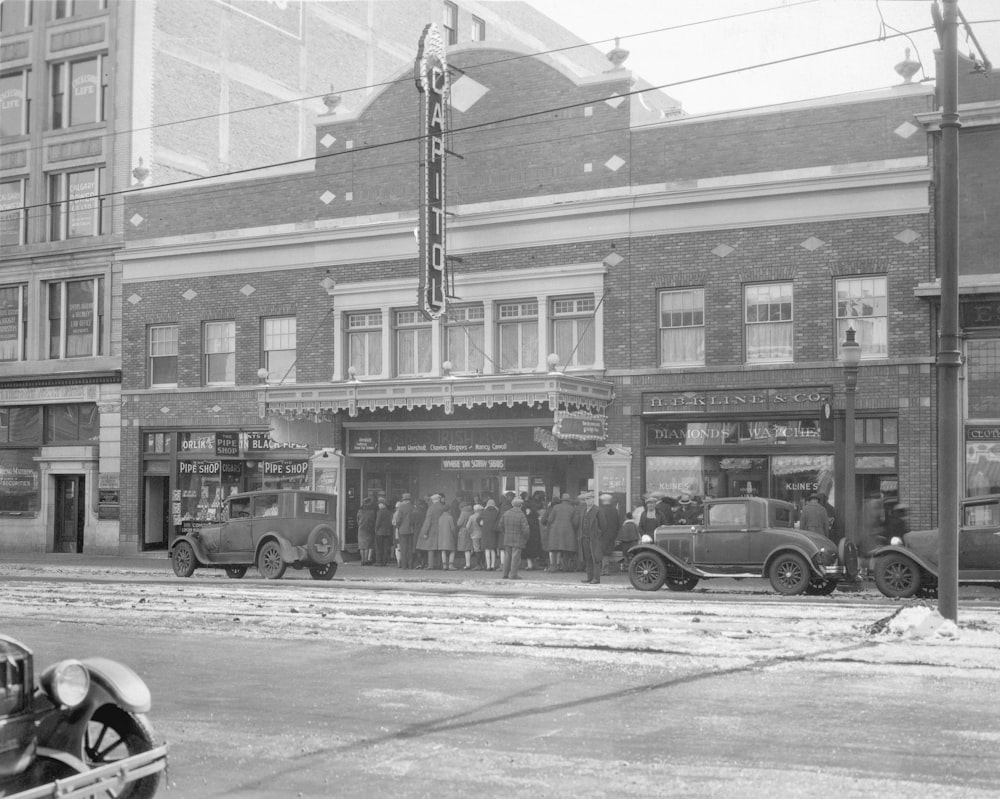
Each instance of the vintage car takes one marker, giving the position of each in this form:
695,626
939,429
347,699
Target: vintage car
80,730
741,537
909,566
267,529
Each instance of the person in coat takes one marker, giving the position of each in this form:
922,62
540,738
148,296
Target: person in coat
489,523
464,543
366,532
650,518
560,523
475,533
383,533
402,521
628,533
592,538
427,541
533,553
515,536
814,516
447,539
612,522
419,560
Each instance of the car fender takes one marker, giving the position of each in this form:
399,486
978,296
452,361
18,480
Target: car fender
681,564
766,566
289,552
196,545
892,549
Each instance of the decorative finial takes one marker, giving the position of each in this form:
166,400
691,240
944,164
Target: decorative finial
140,173
617,55
906,68
331,101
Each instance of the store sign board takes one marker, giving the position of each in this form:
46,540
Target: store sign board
198,467
980,313
284,468
457,441
473,464
580,426
227,445
808,398
982,433
757,431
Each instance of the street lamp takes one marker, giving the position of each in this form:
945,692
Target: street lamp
850,357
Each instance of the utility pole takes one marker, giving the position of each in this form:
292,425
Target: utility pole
949,355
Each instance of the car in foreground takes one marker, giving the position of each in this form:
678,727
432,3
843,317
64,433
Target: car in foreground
81,730
267,529
741,537
908,566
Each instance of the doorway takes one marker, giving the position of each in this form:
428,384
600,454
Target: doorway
70,512
156,506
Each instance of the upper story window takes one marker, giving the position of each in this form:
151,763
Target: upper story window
517,326
769,326
13,322
76,318
77,8
450,23
465,330
862,304
682,327
280,352
15,103
220,353
478,30
71,423
79,91
13,213
982,376
413,344
77,207
162,366
573,334
15,15
364,343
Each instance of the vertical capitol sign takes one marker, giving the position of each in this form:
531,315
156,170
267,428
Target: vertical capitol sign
432,82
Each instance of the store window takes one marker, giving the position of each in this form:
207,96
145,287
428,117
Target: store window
15,103
220,353
364,343
79,91
464,338
518,336
862,304
682,327
573,336
982,377
20,480
13,322
76,318
280,352
78,206
72,424
769,322
413,344
478,30
450,23
13,212
77,8
162,367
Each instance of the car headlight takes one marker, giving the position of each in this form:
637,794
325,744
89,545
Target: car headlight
647,539
896,541
67,682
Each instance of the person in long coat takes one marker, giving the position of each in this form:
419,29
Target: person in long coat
366,532
419,557
515,535
592,538
612,522
562,532
403,522
464,543
383,533
427,541
489,520
447,539
533,552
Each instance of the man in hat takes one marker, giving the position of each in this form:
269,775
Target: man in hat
612,521
687,511
814,516
515,536
402,520
591,535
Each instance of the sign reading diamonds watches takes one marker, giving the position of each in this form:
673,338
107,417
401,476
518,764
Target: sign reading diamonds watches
431,73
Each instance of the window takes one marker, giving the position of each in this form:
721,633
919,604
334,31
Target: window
77,8
15,104
518,329
163,355
76,318
573,338
13,322
464,338
861,304
15,15
682,327
220,353
364,343
413,344
982,376
279,349
76,205
450,23
70,424
768,309
876,430
79,91
13,214
478,30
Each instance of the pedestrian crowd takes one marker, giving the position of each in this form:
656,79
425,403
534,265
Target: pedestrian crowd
532,532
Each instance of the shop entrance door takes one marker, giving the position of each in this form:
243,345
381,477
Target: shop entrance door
69,513
156,527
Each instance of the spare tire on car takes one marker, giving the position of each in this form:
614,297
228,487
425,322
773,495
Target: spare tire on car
322,545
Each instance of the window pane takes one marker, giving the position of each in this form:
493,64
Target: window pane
13,104
983,378
82,203
12,323
220,349
85,94
12,213
79,318
25,425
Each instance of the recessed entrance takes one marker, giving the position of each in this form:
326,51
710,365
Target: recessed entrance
70,512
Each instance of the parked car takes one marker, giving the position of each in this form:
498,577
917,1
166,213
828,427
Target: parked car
741,537
80,731
908,566
267,529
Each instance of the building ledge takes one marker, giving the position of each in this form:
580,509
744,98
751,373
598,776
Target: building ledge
967,284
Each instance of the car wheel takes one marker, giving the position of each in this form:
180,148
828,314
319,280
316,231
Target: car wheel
269,561
113,734
789,574
325,572
322,545
821,587
184,560
680,580
897,576
647,572
235,572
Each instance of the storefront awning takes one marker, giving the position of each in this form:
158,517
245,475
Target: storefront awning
555,389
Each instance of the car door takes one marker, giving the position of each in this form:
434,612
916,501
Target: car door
236,526
979,536
724,541
264,516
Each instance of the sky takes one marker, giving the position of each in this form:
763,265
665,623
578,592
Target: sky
665,48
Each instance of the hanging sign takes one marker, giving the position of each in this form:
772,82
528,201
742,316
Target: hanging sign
580,426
